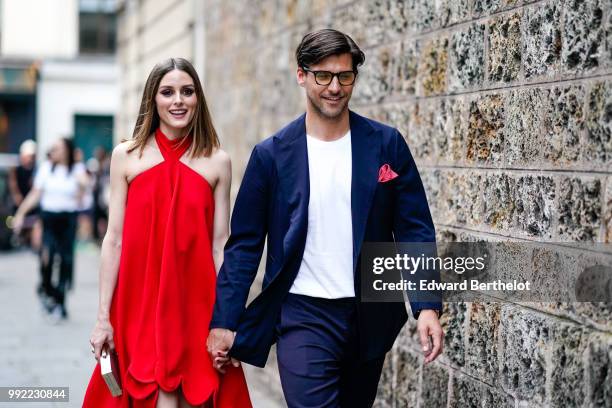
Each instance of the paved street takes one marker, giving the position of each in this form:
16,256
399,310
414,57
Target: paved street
34,352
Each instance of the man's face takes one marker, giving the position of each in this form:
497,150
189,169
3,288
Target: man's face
330,101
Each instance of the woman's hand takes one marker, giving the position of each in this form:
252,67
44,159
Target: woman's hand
102,334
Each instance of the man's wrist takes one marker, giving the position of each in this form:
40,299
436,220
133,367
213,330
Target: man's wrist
436,311
221,324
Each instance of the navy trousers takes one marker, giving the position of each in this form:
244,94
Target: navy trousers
318,355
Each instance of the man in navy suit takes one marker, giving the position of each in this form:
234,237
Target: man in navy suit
318,189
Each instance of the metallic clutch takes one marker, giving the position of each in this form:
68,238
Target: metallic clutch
109,366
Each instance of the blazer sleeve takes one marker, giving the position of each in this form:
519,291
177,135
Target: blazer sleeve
412,220
243,250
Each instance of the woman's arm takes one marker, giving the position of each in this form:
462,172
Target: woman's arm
222,207
111,250
84,181
220,236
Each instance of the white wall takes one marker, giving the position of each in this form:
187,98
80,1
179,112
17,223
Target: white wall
39,28
73,87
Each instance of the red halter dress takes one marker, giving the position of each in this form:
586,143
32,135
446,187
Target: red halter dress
165,292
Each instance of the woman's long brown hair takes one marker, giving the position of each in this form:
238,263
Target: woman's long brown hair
205,137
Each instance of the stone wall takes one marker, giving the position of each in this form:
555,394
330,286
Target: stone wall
506,106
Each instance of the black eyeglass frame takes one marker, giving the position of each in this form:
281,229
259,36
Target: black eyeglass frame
333,74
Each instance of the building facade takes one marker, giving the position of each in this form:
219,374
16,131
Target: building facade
57,59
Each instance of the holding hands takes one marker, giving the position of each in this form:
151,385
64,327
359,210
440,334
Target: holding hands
219,343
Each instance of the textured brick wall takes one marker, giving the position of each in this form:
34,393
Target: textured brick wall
506,106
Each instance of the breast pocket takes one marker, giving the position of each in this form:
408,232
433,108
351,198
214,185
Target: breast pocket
385,191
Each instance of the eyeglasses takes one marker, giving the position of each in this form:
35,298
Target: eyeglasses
325,77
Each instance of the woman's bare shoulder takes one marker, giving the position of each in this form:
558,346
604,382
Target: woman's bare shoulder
123,149
124,154
128,149
220,156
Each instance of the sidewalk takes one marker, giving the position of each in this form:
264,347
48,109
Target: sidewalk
37,353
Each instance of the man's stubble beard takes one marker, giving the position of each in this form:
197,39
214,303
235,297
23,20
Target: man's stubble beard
321,112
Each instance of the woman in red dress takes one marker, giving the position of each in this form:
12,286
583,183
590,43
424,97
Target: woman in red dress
168,223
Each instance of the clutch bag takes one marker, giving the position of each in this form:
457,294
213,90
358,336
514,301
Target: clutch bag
109,366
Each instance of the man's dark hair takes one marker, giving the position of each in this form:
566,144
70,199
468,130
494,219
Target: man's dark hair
318,45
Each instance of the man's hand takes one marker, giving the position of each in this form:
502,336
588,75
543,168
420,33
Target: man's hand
219,343
429,325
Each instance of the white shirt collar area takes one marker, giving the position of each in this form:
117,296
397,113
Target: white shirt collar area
324,143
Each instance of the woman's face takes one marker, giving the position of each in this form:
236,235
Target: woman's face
59,152
176,99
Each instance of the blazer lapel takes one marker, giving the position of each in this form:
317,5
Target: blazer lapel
365,146
294,182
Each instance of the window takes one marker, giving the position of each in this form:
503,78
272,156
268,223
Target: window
92,131
97,26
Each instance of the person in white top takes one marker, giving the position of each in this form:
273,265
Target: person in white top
59,185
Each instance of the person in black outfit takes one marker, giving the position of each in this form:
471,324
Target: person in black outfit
20,180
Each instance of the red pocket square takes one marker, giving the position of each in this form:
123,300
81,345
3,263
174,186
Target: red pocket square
386,174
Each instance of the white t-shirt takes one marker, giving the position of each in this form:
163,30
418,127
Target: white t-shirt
60,189
326,270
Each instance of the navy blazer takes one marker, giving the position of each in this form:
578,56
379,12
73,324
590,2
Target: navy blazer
273,202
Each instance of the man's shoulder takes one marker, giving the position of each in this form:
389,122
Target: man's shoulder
383,128
266,146
388,135
264,150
